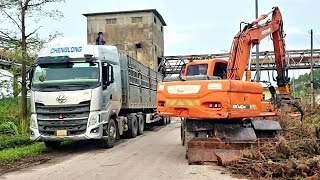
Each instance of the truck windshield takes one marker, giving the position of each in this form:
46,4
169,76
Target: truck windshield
197,69
67,76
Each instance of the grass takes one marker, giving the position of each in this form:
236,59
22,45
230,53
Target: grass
13,141
10,110
15,154
13,145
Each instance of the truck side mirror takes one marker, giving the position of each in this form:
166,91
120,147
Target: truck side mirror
30,77
30,74
107,76
111,76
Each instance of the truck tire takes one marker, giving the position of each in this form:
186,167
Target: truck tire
110,140
163,120
141,124
52,144
132,125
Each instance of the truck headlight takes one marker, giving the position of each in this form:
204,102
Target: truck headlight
94,119
33,122
161,87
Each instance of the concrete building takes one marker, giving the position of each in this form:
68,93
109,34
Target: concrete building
139,32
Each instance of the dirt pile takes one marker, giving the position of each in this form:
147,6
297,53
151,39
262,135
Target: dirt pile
296,154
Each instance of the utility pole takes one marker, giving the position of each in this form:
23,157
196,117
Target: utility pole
311,73
257,51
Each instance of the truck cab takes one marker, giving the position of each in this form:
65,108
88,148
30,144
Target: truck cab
82,92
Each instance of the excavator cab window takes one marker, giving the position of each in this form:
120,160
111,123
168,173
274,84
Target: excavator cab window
220,69
197,69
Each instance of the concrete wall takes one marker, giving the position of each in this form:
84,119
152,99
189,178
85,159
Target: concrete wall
125,35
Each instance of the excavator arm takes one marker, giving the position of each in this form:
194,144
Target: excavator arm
250,36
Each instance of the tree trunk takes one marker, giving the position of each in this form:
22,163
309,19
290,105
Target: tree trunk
15,84
23,73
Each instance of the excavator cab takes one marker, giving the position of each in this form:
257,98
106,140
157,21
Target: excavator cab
213,67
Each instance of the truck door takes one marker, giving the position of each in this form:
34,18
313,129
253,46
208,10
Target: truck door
107,89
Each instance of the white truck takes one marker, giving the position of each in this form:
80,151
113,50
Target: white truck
82,92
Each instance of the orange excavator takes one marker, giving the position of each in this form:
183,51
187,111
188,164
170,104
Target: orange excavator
222,109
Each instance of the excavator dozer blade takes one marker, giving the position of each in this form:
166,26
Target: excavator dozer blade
213,151
201,150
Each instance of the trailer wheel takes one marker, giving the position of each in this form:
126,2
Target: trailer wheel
141,124
133,125
52,144
110,140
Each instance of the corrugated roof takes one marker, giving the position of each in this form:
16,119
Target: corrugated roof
128,12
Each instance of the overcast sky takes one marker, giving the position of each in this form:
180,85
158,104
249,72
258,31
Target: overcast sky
194,27
202,26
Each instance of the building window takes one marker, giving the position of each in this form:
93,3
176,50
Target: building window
155,48
136,19
111,21
161,28
155,20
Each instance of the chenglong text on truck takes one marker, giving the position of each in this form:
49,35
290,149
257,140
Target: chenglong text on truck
90,92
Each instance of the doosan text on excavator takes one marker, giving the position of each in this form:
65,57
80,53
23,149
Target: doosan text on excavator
221,112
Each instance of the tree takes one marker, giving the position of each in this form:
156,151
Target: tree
16,13
302,84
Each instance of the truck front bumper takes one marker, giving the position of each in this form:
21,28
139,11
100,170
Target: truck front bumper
94,132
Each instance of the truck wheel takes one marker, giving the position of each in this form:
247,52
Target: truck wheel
163,120
141,124
169,120
110,140
52,144
133,126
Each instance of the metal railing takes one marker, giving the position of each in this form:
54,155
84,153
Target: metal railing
296,59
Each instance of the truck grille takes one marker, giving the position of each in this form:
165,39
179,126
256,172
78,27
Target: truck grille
72,118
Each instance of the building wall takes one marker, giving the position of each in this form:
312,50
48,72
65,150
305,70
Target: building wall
125,35
266,93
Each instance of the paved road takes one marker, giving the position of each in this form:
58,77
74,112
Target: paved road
155,155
